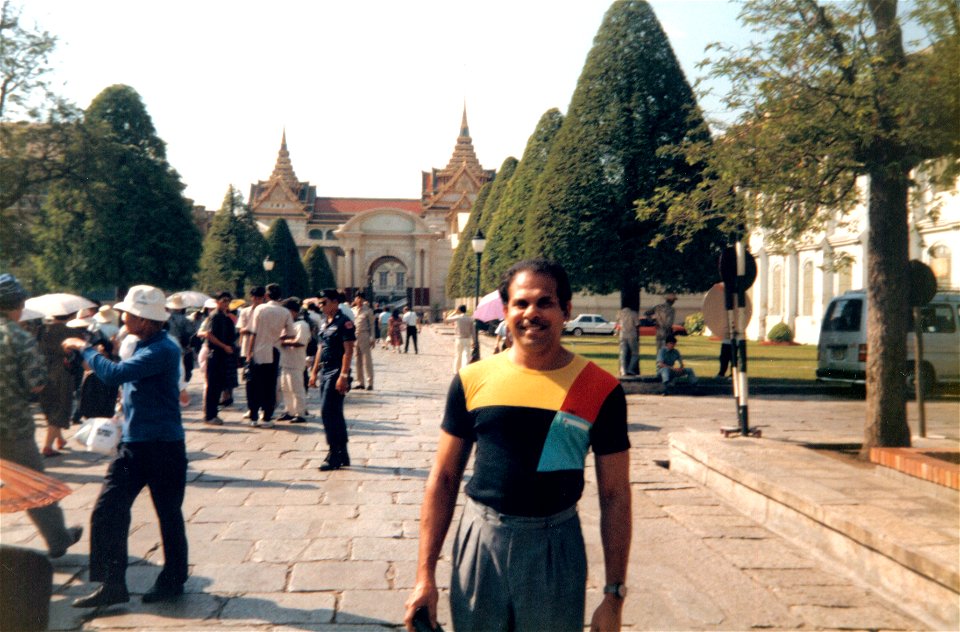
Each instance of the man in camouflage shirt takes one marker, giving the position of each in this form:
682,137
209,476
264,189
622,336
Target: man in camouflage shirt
22,374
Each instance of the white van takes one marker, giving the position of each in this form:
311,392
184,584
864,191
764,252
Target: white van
842,350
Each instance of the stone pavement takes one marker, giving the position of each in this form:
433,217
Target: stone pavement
277,545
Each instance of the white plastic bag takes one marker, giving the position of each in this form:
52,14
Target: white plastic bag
104,436
81,435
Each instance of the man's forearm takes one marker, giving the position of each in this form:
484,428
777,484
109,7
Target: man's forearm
615,515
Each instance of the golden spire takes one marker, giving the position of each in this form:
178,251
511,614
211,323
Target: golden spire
283,170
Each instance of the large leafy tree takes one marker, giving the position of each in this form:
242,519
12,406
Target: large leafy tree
318,270
827,96
36,127
631,99
125,221
481,221
232,249
288,268
505,236
457,285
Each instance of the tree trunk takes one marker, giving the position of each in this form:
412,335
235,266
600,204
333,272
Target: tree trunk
630,292
887,290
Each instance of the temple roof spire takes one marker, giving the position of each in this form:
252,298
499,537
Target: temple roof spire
463,152
283,170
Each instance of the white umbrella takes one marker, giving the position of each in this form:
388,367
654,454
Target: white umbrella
189,298
59,304
30,314
489,308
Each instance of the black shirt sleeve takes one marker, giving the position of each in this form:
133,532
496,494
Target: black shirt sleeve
456,419
608,435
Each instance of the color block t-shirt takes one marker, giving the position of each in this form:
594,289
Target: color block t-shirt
533,430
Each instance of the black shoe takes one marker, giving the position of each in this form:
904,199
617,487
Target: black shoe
161,591
75,533
285,417
226,403
334,461
298,420
106,595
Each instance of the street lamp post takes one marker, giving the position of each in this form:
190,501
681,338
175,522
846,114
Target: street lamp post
478,243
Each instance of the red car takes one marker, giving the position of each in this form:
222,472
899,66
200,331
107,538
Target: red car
648,327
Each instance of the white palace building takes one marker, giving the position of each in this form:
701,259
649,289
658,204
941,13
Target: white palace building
795,283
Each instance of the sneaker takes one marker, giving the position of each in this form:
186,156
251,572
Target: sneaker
285,417
266,423
216,421
254,423
297,420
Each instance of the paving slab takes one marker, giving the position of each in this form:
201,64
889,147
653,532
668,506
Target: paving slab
278,545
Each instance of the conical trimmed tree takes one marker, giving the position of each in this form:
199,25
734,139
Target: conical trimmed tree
288,269
631,99
483,219
319,274
505,234
457,286
232,249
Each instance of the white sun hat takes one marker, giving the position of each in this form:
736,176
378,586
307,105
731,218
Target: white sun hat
145,301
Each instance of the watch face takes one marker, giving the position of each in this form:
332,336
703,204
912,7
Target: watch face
620,590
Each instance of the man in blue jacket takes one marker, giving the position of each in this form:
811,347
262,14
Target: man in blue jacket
151,454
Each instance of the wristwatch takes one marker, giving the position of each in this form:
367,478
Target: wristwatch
618,589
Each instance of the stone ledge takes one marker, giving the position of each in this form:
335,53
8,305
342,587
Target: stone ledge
777,485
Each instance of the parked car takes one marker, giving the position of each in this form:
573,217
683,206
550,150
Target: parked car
589,324
648,327
842,349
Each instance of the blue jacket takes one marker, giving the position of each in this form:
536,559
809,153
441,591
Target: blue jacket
150,381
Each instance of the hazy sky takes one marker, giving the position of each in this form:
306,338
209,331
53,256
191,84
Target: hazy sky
370,92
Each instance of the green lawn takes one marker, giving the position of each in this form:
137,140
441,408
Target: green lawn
794,362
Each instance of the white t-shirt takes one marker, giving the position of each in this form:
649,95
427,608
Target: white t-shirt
296,357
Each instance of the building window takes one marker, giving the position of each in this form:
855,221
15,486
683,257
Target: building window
315,234
776,295
808,288
940,264
844,280
400,279
383,279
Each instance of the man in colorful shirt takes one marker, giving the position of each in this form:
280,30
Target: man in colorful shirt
22,374
533,413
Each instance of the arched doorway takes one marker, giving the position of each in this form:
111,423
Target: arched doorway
387,281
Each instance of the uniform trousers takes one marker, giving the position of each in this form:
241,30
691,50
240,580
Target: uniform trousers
162,467
48,519
331,409
517,572
364,349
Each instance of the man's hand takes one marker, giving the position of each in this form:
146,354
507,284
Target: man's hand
73,344
607,616
343,384
424,594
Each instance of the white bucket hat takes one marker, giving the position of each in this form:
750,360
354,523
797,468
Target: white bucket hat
144,301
